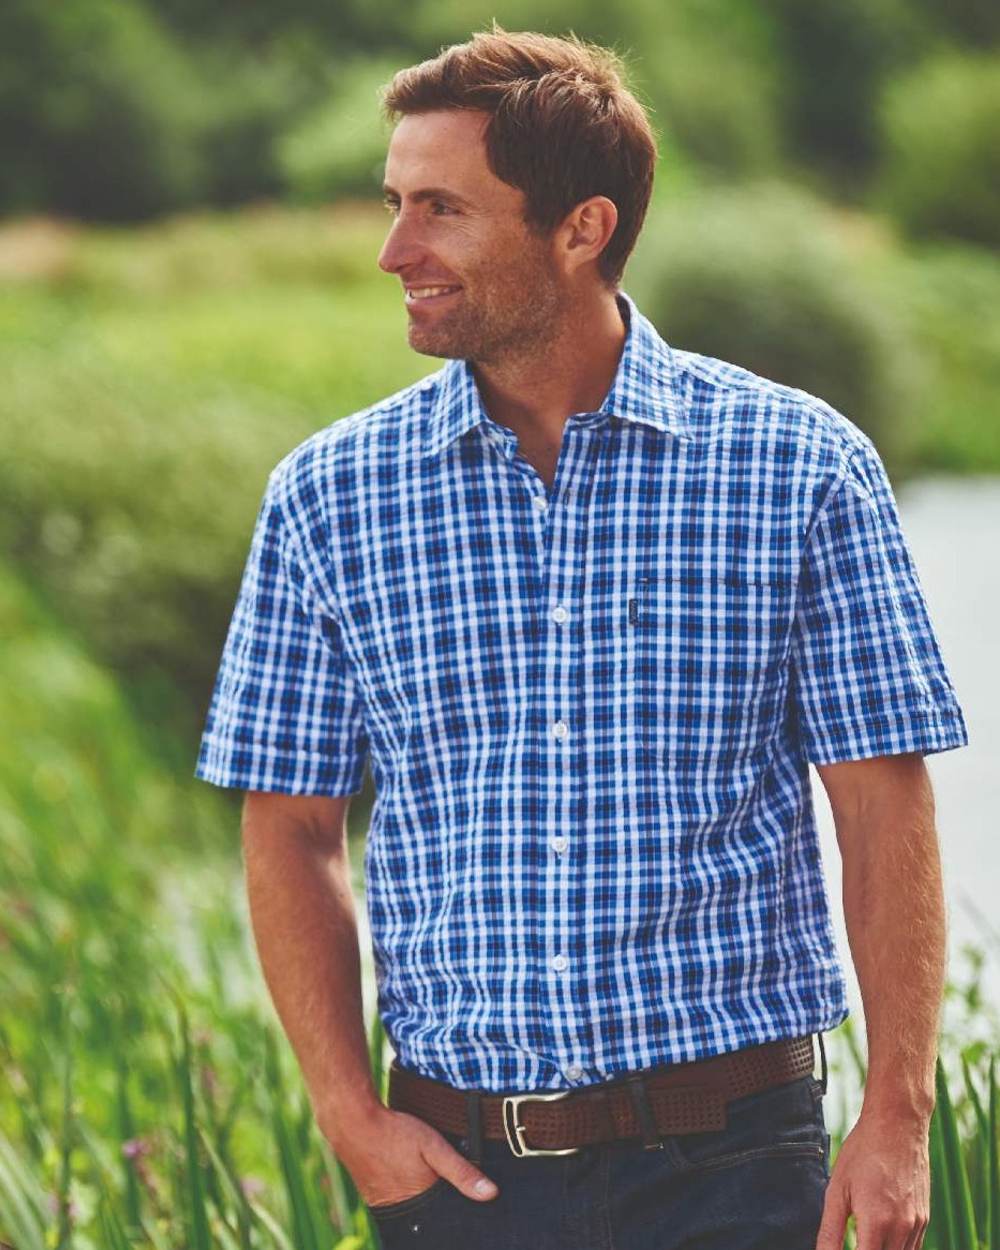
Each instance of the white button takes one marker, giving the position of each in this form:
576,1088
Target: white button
560,963
560,844
574,1071
541,503
560,729
560,614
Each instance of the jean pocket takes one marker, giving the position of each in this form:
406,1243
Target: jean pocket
783,1121
408,1206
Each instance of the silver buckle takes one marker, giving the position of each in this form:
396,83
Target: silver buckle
518,1145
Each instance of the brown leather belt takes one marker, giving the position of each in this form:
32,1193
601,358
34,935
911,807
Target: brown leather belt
676,1098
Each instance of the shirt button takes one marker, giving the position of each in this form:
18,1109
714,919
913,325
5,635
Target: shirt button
560,844
560,729
541,503
574,1071
560,614
560,963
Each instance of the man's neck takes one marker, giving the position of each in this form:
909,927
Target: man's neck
573,372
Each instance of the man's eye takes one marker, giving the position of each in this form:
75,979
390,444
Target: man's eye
445,208
391,205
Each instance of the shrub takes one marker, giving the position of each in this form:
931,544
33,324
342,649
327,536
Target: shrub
757,276
339,147
837,55
97,115
143,410
941,128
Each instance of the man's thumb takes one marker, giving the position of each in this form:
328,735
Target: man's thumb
464,1175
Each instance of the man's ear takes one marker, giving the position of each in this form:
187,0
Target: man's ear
586,231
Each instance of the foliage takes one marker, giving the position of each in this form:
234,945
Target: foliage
98,111
974,23
106,115
782,299
948,295
150,388
119,1121
942,124
836,56
339,148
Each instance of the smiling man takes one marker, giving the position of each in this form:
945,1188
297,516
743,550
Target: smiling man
589,605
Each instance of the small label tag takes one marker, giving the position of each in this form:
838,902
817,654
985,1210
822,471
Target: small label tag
633,611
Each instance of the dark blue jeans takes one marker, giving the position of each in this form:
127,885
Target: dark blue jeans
757,1184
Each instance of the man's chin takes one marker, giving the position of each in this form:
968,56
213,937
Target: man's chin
433,345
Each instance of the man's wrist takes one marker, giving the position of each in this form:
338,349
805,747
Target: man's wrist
898,1106
340,1115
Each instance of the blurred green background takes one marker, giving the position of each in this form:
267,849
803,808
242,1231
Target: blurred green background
189,220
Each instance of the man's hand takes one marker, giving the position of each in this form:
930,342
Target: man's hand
392,1156
882,1175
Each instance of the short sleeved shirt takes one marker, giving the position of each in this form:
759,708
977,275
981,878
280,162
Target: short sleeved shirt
588,709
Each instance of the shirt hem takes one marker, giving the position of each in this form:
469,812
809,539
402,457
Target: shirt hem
893,734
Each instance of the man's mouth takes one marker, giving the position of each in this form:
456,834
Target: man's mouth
429,294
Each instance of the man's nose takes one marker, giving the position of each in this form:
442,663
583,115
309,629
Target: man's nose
401,248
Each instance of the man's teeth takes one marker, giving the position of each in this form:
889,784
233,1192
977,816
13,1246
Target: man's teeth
422,292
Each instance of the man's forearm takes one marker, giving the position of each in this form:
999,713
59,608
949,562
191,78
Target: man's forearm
303,916
895,915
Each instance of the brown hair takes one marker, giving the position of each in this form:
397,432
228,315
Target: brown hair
563,126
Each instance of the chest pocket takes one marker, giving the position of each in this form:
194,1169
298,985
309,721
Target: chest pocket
708,654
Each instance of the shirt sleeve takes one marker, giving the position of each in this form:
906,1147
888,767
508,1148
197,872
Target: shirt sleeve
869,677
286,714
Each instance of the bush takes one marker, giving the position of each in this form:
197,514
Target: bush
97,111
339,148
721,108
144,407
973,22
757,276
941,126
837,54
107,116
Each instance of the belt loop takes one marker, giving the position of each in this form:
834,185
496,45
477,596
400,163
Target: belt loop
636,1085
822,1051
473,1113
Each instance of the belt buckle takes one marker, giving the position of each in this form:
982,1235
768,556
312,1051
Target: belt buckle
518,1145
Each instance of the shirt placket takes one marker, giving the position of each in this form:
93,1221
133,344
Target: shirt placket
561,528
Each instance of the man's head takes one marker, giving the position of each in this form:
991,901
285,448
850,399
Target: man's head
541,167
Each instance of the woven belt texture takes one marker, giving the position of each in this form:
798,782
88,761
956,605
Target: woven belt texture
683,1097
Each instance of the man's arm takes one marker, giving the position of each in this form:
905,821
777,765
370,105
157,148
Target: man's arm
894,910
883,810
302,911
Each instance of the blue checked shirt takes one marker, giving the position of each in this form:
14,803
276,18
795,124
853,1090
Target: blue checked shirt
588,711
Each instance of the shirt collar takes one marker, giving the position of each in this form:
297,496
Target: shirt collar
644,388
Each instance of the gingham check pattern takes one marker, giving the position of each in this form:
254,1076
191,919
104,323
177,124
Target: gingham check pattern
589,712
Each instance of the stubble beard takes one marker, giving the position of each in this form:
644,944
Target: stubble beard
517,320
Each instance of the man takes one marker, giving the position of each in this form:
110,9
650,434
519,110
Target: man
589,605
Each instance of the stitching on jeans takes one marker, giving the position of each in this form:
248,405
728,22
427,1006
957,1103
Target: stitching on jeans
610,1241
778,1150
405,1205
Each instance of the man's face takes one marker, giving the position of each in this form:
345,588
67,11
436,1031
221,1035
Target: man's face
457,226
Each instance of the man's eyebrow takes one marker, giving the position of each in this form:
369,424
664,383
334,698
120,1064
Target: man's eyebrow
430,193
